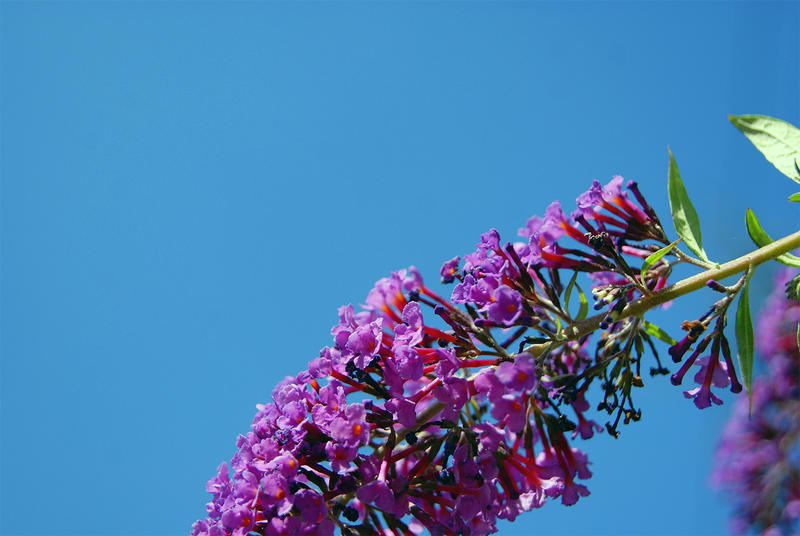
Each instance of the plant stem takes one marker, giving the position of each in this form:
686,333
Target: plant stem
643,304
685,286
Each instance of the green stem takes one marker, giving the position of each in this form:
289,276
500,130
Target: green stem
685,286
644,304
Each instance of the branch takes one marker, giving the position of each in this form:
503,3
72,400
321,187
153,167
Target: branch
685,286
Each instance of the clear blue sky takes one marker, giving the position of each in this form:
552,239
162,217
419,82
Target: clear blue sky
190,190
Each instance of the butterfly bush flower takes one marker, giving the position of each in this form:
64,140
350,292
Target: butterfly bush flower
756,460
445,415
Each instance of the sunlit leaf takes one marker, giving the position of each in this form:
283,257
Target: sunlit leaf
761,239
584,308
777,140
568,292
654,257
655,331
684,216
744,339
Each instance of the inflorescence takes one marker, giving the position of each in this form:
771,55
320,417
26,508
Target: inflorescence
447,415
757,459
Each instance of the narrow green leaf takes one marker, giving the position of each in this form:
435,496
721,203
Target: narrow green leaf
658,333
795,198
744,339
654,257
684,216
559,329
777,140
568,292
584,308
798,335
761,239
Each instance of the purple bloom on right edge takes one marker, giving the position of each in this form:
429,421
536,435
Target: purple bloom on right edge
757,458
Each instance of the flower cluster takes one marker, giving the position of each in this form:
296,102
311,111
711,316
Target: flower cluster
712,370
757,459
447,415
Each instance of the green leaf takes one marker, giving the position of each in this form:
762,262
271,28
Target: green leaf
777,140
568,292
584,309
795,198
744,339
658,333
684,215
798,335
654,257
761,239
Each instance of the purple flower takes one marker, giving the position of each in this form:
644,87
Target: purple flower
461,292
220,480
756,458
320,367
331,402
555,225
409,333
409,363
490,240
385,291
365,342
403,410
712,372
340,455
311,506
533,225
395,414
518,376
289,526
590,200
481,293
465,469
449,270
572,492
508,410
275,492
678,350
379,492
506,306
488,383
351,429
454,393
238,517
467,507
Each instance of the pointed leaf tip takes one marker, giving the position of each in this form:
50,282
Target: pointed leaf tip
654,258
761,239
744,339
777,140
684,216
655,331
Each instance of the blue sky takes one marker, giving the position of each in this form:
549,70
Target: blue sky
190,190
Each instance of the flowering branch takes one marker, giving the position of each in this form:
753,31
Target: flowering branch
421,416
681,288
